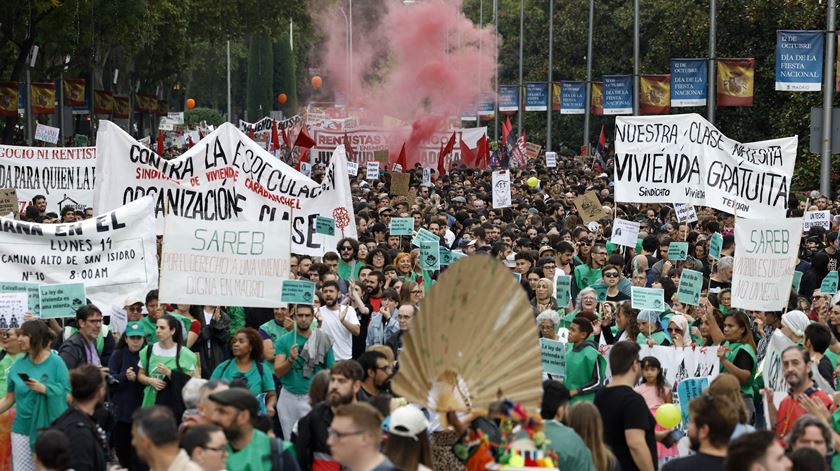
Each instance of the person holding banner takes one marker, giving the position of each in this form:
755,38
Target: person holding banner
650,332
737,353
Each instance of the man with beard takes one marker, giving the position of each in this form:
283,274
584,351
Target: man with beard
796,363
378,371
628,423
347,266
338,321
234,410
313,429
366,297
299,356
711,422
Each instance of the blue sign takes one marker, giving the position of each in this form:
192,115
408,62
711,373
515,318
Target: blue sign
536,96
470,112
799,60
572,97
689,79
508,98
486,106
618,94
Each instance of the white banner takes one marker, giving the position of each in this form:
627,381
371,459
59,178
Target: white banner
765,257
772,369
679,363
225,177
238,263
65,175
625,232
114,254
501,189
817,219
46,133
551,159
685,159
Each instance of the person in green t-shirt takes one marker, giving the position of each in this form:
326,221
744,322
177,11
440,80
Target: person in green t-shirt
348,267
247,364
650,329
585,366
272,330
588,274
572,453
10,354
166,363
737,352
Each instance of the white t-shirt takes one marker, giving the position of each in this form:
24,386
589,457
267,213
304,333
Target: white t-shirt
341,337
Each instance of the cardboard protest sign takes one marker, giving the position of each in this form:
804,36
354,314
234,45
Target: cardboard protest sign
553,357
829,283
298,292
600,293
224,262
648,298
501,189
817,219
765,258
625,232
12,308
401,226
589,207
9,202
46,133
225,177
678,251
381,156
685,159
399,184
685,212
65,175
113,254
61,300
325,225
30,289
430,255
715,245
563,289
691,284
551,159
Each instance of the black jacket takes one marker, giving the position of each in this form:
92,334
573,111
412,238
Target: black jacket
218,335
74,353
311,436
127,395
87,438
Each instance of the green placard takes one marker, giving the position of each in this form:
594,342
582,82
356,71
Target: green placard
678,251
518,277
563,288
715,246
298,292
797,279
446,257
29,288
648,298
424,235
610,247
80,140
401,226
325,225
61,300
691,284
553,357
639,246
601,293
829,283
430,255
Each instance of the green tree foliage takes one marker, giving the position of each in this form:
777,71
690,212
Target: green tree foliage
259,94
197,115
285,75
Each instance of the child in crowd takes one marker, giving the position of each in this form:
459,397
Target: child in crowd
585,366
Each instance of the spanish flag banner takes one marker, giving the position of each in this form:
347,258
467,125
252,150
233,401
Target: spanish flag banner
162,107
655,94
43,98
598,98
143,103
9,93
74,92
555,96
735,82
122,106
103,102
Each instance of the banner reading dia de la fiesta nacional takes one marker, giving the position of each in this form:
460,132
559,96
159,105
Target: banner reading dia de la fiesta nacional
113,254
65,175
689,79
225,176
684,159
618,94
572,97
799,60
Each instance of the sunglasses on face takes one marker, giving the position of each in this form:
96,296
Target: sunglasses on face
611,275
349,249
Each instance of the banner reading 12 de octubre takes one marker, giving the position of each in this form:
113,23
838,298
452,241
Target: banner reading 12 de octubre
799,60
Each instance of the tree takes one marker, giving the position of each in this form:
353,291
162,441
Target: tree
260,97
285,76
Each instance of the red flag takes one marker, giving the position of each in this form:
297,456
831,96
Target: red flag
190,142
286,138
303,139
304,157
602,140
160,149
251,132
403,159
483,156
348,148
275,137
441,166
507,128
467,156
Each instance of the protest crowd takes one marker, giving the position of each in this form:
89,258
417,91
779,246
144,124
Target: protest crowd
696,384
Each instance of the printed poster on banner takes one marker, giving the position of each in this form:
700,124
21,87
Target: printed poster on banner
551,159
691,284
655,94
677,251
237,263
61,300
572,97
799,60
648,298
226,178
427,176
65,175
401,226
689,78
735,81
766,254
715,245
684,159
553,355
536,96
625,232
501,189
555,96
297,292
46,133
618,94
13,306
113,254
508,98
817,219
685,212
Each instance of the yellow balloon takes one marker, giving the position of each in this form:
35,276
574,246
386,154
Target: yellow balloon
533,182
668,416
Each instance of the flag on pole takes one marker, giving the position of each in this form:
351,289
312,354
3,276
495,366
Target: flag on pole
160,148
467,156
275,136
190,142
402,160
441,166
348,148
303,139
483,154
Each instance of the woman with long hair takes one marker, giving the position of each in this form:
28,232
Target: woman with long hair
166,366
737,353
726,386
378,259
656,391
8,356
408,444
213,343
247,366
126,392
38,385
410,293
585,419
184,313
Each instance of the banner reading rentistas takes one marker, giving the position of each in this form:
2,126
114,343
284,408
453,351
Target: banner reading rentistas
113,254
572,97
766,253
684,159
65,175
689,82
226,176
618,94
799,60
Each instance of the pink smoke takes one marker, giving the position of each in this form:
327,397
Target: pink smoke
420,63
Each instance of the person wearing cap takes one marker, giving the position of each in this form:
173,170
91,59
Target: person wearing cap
467,247
126,391
154,434
408,445
235,410
91,344
355,436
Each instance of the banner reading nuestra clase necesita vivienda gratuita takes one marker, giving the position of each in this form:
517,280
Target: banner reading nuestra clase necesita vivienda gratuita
685,159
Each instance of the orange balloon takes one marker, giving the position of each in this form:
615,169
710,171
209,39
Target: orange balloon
281,98
316,82
190,103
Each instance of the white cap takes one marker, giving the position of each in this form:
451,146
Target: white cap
407,421
132,300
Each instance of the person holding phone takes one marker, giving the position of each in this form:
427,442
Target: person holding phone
38,385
